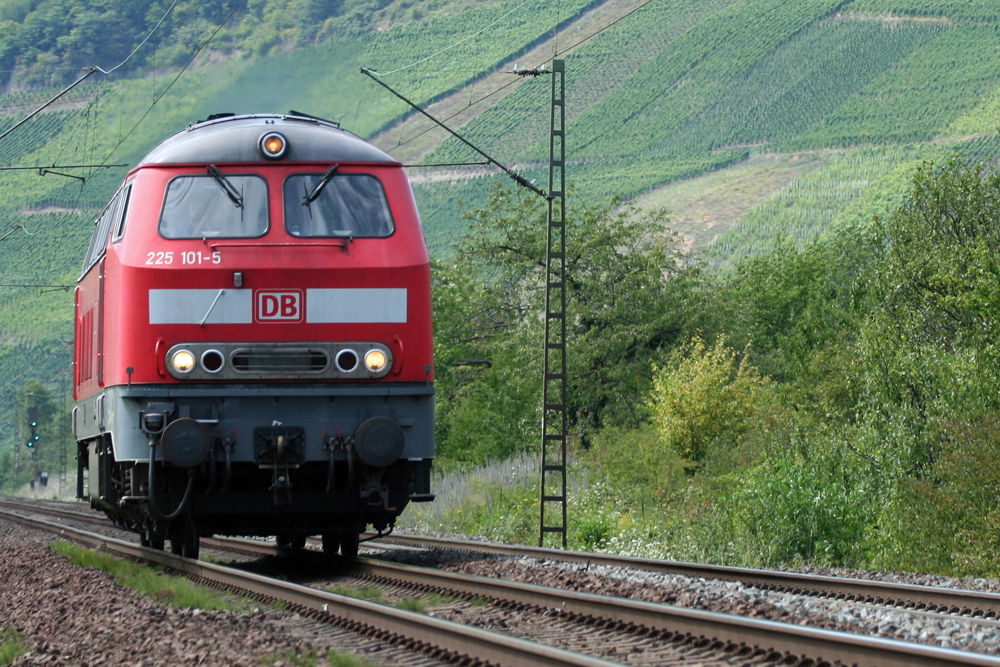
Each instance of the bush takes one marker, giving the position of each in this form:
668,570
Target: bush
703,401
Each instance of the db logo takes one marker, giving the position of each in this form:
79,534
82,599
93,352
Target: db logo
284,306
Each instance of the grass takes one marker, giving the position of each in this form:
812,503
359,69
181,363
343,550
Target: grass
340,659
417,605
311,659
12,646
370,593
149,581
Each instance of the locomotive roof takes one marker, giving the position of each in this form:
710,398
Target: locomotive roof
236,139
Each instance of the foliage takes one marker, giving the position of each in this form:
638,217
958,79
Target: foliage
790,511
626,303
703,400
894,108
53,431
931,341
867,426
341,659
857,427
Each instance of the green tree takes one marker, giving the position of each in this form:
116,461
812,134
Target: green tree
35,395
705,399
930,346
629,299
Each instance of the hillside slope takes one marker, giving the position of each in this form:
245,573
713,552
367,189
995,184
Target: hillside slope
751,118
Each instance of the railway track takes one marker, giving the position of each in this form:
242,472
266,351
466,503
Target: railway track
733,635
442,639
975,604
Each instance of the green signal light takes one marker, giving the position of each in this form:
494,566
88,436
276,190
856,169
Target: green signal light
34,438
34,424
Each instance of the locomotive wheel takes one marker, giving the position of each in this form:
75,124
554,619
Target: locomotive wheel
295,542
184,541
349,544
331,544
152,540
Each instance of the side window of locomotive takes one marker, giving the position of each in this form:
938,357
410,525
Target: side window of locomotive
197,207
126,198
351,205
102,229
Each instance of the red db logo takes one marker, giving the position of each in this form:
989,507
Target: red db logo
284,306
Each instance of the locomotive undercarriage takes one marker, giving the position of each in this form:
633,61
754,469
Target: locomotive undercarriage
292,486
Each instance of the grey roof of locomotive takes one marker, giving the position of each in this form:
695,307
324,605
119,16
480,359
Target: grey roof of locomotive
229,139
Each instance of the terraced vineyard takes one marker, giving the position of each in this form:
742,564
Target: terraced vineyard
681,90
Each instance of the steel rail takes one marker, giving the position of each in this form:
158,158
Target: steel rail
819,644
920,598
930,598
462,642
783,638
814,643
57,512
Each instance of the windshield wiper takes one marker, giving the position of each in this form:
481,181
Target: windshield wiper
311,196
227,187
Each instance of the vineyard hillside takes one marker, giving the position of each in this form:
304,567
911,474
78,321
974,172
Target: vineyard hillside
750,120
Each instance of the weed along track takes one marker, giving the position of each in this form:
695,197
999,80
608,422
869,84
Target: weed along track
517,609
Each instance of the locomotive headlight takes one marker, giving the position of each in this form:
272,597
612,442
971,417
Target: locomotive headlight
375,360
273,145
182,361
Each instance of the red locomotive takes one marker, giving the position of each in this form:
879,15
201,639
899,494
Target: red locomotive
253,339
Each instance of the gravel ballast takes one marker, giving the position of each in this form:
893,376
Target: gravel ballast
730,597
79,616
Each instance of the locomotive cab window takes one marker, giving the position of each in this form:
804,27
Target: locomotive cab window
336,205
214,206
102,230
122,217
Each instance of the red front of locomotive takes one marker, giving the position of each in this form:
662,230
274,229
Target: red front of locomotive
254,320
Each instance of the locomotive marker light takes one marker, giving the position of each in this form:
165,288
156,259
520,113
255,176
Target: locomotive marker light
182,361
212,361
346,360
273,145
375,360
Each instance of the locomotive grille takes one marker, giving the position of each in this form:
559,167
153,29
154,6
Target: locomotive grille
287,360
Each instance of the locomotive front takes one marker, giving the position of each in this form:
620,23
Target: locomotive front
253,339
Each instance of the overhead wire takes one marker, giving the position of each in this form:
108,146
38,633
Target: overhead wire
589,37
129,57
92,138
90,71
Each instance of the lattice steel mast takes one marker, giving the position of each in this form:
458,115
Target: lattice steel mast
553,482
